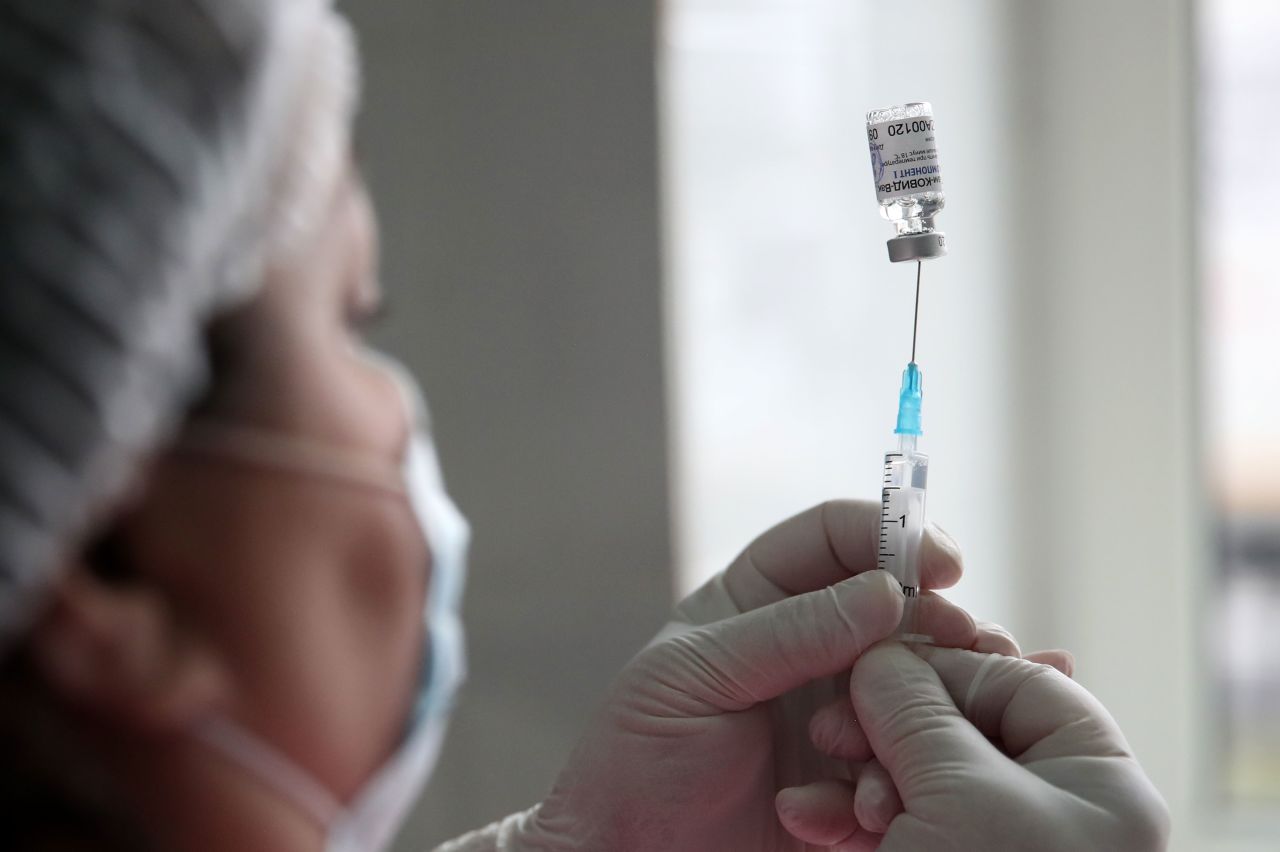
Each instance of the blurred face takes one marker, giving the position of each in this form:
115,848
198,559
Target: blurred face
308,591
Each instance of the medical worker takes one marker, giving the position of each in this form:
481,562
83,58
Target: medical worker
230,573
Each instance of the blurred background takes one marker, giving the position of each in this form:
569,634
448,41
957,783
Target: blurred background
633,251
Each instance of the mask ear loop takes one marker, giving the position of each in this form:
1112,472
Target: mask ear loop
289,453
272,768
415,407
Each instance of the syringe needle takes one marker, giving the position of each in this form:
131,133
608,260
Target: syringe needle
915,323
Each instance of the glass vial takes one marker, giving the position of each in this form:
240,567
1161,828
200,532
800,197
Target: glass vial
908,178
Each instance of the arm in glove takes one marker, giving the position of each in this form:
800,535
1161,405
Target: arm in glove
699,731
980,752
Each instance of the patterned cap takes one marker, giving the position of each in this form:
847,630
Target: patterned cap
154,156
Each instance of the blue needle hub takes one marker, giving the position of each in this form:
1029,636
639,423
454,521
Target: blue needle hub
909,402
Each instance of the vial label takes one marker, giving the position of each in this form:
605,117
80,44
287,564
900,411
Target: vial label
904,157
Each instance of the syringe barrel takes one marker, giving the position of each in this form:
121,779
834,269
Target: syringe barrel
906,475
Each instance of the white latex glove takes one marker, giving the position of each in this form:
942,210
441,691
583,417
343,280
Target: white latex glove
976,751
699,731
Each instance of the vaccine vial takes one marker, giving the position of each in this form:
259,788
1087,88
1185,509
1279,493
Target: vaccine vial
908,179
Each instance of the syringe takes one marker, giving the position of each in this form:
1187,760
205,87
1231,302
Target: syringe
908,182
906,474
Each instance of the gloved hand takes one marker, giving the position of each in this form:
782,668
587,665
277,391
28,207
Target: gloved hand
975,752
699,731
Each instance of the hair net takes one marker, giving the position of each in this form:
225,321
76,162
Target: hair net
154,156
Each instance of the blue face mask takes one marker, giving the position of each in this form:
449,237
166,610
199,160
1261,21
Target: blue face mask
371,819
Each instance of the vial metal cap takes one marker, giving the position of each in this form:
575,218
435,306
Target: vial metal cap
923,246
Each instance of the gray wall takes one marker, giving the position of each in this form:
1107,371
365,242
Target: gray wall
511,150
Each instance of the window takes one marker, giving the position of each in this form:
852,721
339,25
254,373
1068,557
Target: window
788,327
1239,227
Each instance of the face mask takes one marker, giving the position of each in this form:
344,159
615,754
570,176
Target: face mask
369,822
